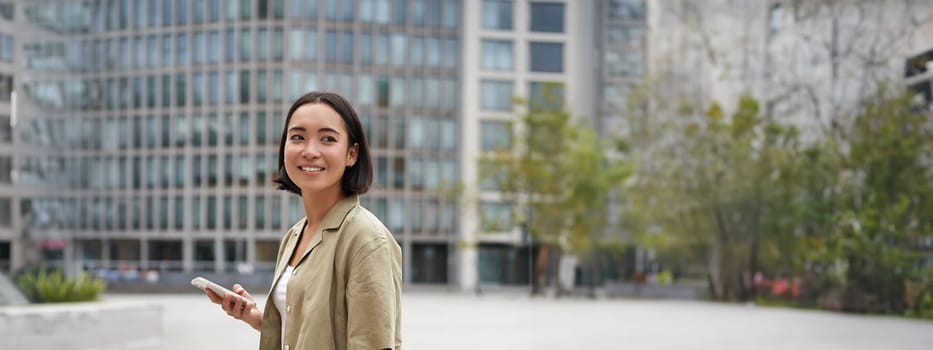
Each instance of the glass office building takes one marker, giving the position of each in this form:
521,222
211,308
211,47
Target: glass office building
146,131
7,192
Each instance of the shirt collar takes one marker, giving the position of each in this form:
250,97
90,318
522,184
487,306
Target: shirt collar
338,213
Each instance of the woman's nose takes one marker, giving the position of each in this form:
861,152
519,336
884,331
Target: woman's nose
309,150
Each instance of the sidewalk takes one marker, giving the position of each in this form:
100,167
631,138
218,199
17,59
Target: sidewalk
435,319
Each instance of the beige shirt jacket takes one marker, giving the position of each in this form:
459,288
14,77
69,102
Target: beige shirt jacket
345,292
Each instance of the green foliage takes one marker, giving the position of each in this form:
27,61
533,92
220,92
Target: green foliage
41,286
880,207
558,181
924,309
714,190
738,193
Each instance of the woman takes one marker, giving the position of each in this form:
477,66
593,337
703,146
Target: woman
337,282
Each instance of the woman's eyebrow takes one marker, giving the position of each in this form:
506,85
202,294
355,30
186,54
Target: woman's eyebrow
297,128
325,129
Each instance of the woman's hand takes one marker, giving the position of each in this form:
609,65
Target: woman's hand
241,307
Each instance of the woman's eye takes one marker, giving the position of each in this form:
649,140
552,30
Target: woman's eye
296,137
329,139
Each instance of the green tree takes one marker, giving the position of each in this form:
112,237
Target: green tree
717,190
882,209
557,179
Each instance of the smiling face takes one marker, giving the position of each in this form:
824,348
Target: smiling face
317,150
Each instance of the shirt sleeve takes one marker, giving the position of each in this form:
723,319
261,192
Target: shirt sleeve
373,297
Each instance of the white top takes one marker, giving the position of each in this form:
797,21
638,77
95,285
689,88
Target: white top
278,297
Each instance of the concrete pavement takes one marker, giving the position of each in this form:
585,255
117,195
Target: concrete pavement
441,320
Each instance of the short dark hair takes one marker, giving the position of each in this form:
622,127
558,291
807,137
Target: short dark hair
357,178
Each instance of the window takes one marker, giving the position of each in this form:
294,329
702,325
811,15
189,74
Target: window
302,44
180,90
330,9
260,211
396,218
261,129
243,210
261,85
365,93
303,9
213,10
244,128
166,14
6,168
244,86
229,45
6,48
547,17
246,44
166,50
495,216
775,18
628,63
417,12
330,45
433,51
382,172
6,87
246,9
140,16
212,87
232,9
346,46
262,44
179,171
213,47
497,14
197,13
496,135
546,96
197,89
626,9
228,170
415,133
547,57
398,50
497,55
181,49
496,95
624,35
181,11
398,173
492,175
181,130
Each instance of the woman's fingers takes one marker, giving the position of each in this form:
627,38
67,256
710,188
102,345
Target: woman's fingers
237,306
216,299
237,288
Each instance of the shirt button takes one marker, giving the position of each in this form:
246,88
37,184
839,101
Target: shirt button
286,347
288,308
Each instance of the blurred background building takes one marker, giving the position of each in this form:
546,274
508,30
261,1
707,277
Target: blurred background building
142,134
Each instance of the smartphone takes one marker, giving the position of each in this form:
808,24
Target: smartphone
204,283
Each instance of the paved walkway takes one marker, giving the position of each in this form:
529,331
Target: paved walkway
437,320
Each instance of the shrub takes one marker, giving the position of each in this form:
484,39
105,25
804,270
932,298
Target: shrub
41,286
924,309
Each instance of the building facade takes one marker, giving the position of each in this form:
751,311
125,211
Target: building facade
7,192
143,133
148,132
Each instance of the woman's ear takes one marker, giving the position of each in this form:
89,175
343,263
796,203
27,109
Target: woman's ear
352,155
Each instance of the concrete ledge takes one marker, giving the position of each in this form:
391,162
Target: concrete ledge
652,291
83,326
